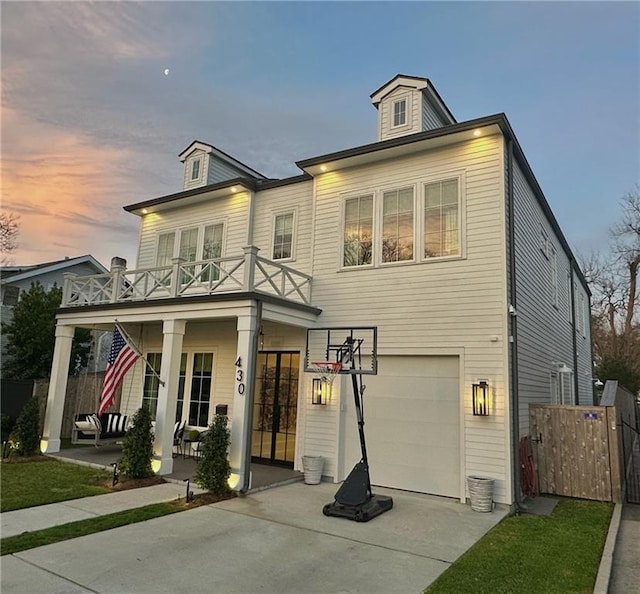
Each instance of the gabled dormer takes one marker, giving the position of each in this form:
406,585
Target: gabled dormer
204,164
409,104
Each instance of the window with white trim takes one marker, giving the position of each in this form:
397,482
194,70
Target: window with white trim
283,236
164,255
201,387
195,169
442,231
151,383
399,108
211,249
397,225
188,251
358,231
182,379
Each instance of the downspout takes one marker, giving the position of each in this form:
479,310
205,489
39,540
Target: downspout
576,399
250,392
515,402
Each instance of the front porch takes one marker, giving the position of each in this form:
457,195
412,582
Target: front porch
262,475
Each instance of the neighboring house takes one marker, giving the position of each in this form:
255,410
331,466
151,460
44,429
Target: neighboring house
438,234
15,280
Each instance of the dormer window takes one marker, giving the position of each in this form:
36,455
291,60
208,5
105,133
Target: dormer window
195,169
399,112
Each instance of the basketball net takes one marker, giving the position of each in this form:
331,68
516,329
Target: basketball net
326,370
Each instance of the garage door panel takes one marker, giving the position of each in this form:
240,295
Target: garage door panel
411,424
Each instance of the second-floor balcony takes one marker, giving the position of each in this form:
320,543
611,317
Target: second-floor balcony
246,273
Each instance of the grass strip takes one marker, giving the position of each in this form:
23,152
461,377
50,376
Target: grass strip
30,540
552,554
27,484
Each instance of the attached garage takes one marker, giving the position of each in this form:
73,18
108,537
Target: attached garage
412,426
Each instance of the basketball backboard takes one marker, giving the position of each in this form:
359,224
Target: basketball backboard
355,347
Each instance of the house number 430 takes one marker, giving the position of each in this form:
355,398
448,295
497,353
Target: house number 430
239,376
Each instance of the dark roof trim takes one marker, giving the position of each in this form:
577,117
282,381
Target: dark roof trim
246,182
442,105
196,299
420,78
497,119
232,160
267,184
402,140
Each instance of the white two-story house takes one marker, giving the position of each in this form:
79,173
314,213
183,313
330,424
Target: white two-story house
437,234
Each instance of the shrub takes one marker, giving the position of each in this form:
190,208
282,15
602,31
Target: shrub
137,448
213,467
7,426
25,437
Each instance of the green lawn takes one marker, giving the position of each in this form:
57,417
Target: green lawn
29,540
552,554
26,484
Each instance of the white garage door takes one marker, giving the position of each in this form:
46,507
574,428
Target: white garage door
411,413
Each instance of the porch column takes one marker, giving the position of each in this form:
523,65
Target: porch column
245,377
50,443
173,334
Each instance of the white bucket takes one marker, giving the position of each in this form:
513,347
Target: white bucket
312,467
480,493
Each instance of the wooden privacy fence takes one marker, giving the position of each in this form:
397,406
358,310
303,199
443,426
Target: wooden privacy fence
578,449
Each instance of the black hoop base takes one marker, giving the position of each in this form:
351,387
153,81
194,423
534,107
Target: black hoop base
378,504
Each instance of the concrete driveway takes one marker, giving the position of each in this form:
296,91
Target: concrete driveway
274,541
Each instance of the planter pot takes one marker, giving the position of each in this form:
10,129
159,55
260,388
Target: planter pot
312,467
480,493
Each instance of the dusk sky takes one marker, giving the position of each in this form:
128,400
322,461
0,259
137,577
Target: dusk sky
91,123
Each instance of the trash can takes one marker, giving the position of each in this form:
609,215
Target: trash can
312,467
480,493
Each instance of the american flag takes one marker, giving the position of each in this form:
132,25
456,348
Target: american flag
121,357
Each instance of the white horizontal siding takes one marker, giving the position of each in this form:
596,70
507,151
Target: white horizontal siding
448,305
297,198
232,210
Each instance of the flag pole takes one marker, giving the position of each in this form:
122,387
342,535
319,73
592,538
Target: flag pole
137,350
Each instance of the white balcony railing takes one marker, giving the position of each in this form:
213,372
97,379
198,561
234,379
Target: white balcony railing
246,273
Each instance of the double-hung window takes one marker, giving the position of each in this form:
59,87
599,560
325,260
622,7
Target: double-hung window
195,169
188,252
166,242
399,112
201,384
151,383
283,236
397,225
553,260
358,231
211,249
442,219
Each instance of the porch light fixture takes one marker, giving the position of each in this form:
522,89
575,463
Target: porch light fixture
323,168
320,391
480,398
477,133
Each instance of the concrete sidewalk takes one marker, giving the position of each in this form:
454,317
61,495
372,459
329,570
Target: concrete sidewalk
625,574
55,514
276,540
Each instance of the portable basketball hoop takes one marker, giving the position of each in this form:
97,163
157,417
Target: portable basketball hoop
355,353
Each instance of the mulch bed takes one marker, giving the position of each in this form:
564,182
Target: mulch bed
125,483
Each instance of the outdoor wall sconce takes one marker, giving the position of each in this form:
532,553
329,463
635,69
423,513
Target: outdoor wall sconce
480,398
319,391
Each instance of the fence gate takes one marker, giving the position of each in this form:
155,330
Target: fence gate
631,451
572,451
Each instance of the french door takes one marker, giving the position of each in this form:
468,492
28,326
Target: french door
275,408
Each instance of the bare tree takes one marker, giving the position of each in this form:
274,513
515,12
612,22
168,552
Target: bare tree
613,280
9,224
